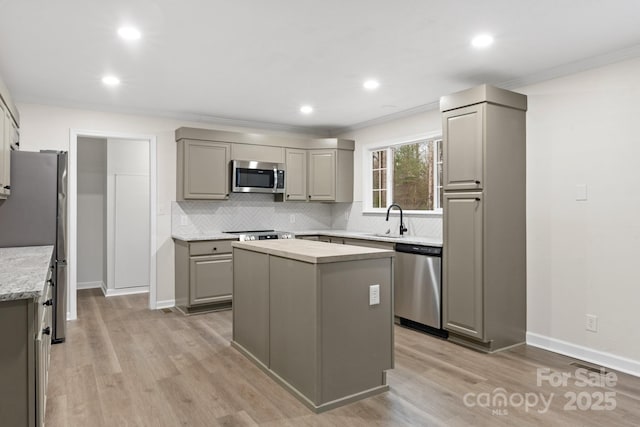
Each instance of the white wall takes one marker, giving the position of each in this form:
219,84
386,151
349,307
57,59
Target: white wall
582,256
48,127
92,161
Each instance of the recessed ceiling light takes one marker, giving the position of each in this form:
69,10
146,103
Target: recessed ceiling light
129,33
111,80
306,109
482,40
371,84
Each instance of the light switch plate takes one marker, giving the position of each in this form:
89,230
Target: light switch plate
581,192
374,294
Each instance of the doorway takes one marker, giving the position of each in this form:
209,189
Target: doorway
112,201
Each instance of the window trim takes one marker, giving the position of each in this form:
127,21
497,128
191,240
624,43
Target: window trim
367,175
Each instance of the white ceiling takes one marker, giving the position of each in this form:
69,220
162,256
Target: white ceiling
257,61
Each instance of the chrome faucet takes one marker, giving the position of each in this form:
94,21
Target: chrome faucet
402,227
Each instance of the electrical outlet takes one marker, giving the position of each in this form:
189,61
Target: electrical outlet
184,220
374,294
292,219
591,323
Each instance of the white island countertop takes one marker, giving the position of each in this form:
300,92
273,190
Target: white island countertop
313,252
23,271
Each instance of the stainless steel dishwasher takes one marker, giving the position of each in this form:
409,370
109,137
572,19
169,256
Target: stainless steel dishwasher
418,287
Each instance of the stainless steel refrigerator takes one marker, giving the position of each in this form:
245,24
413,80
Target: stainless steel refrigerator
35,214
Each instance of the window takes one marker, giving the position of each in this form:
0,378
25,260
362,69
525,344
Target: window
409,174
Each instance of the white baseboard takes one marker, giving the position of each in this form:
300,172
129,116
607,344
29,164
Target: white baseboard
165,304
89,285
125,291
587,354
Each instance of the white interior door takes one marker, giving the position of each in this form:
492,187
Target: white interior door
131,231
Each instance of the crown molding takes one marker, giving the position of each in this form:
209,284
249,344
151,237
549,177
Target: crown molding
189,117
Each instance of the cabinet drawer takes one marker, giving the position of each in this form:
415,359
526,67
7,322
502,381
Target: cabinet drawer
210,247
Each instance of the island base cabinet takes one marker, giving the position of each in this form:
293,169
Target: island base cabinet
251,303
324,342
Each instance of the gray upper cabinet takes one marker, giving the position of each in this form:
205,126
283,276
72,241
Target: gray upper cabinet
462,263
203,170
318,169
8,142
9,122
330,175
463,151
5,155
296,174
322,175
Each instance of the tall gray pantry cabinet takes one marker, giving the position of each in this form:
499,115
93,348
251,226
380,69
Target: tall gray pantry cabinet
484,258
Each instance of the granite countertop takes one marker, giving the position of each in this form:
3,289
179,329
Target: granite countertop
412,240
193,237
23,271
313,252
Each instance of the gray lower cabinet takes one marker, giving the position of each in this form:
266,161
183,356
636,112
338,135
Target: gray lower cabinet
204,275
462,262
24,356
202,170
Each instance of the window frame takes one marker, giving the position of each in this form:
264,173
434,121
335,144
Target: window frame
367,174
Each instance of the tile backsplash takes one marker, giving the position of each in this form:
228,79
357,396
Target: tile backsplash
261,212
349,216
248,212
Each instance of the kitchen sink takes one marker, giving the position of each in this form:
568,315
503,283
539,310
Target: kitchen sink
387,235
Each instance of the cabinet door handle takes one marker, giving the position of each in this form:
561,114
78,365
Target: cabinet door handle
288,196
48,302
309,195
215,249
47,330
477,199
7,187
50,282
477,182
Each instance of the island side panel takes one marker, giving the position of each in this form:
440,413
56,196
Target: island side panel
357,338
293,324
251,302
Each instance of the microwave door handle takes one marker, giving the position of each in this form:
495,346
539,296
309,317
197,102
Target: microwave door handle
275,180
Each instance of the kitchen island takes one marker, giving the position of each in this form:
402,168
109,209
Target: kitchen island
317,317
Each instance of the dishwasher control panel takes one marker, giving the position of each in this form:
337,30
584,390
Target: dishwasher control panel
420,250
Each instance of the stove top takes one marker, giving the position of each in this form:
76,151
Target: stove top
262,235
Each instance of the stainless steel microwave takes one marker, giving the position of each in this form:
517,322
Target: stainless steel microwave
257,177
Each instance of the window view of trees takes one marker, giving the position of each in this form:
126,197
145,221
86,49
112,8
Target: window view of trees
416,173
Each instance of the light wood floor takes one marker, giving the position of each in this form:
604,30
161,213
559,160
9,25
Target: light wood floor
123,365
